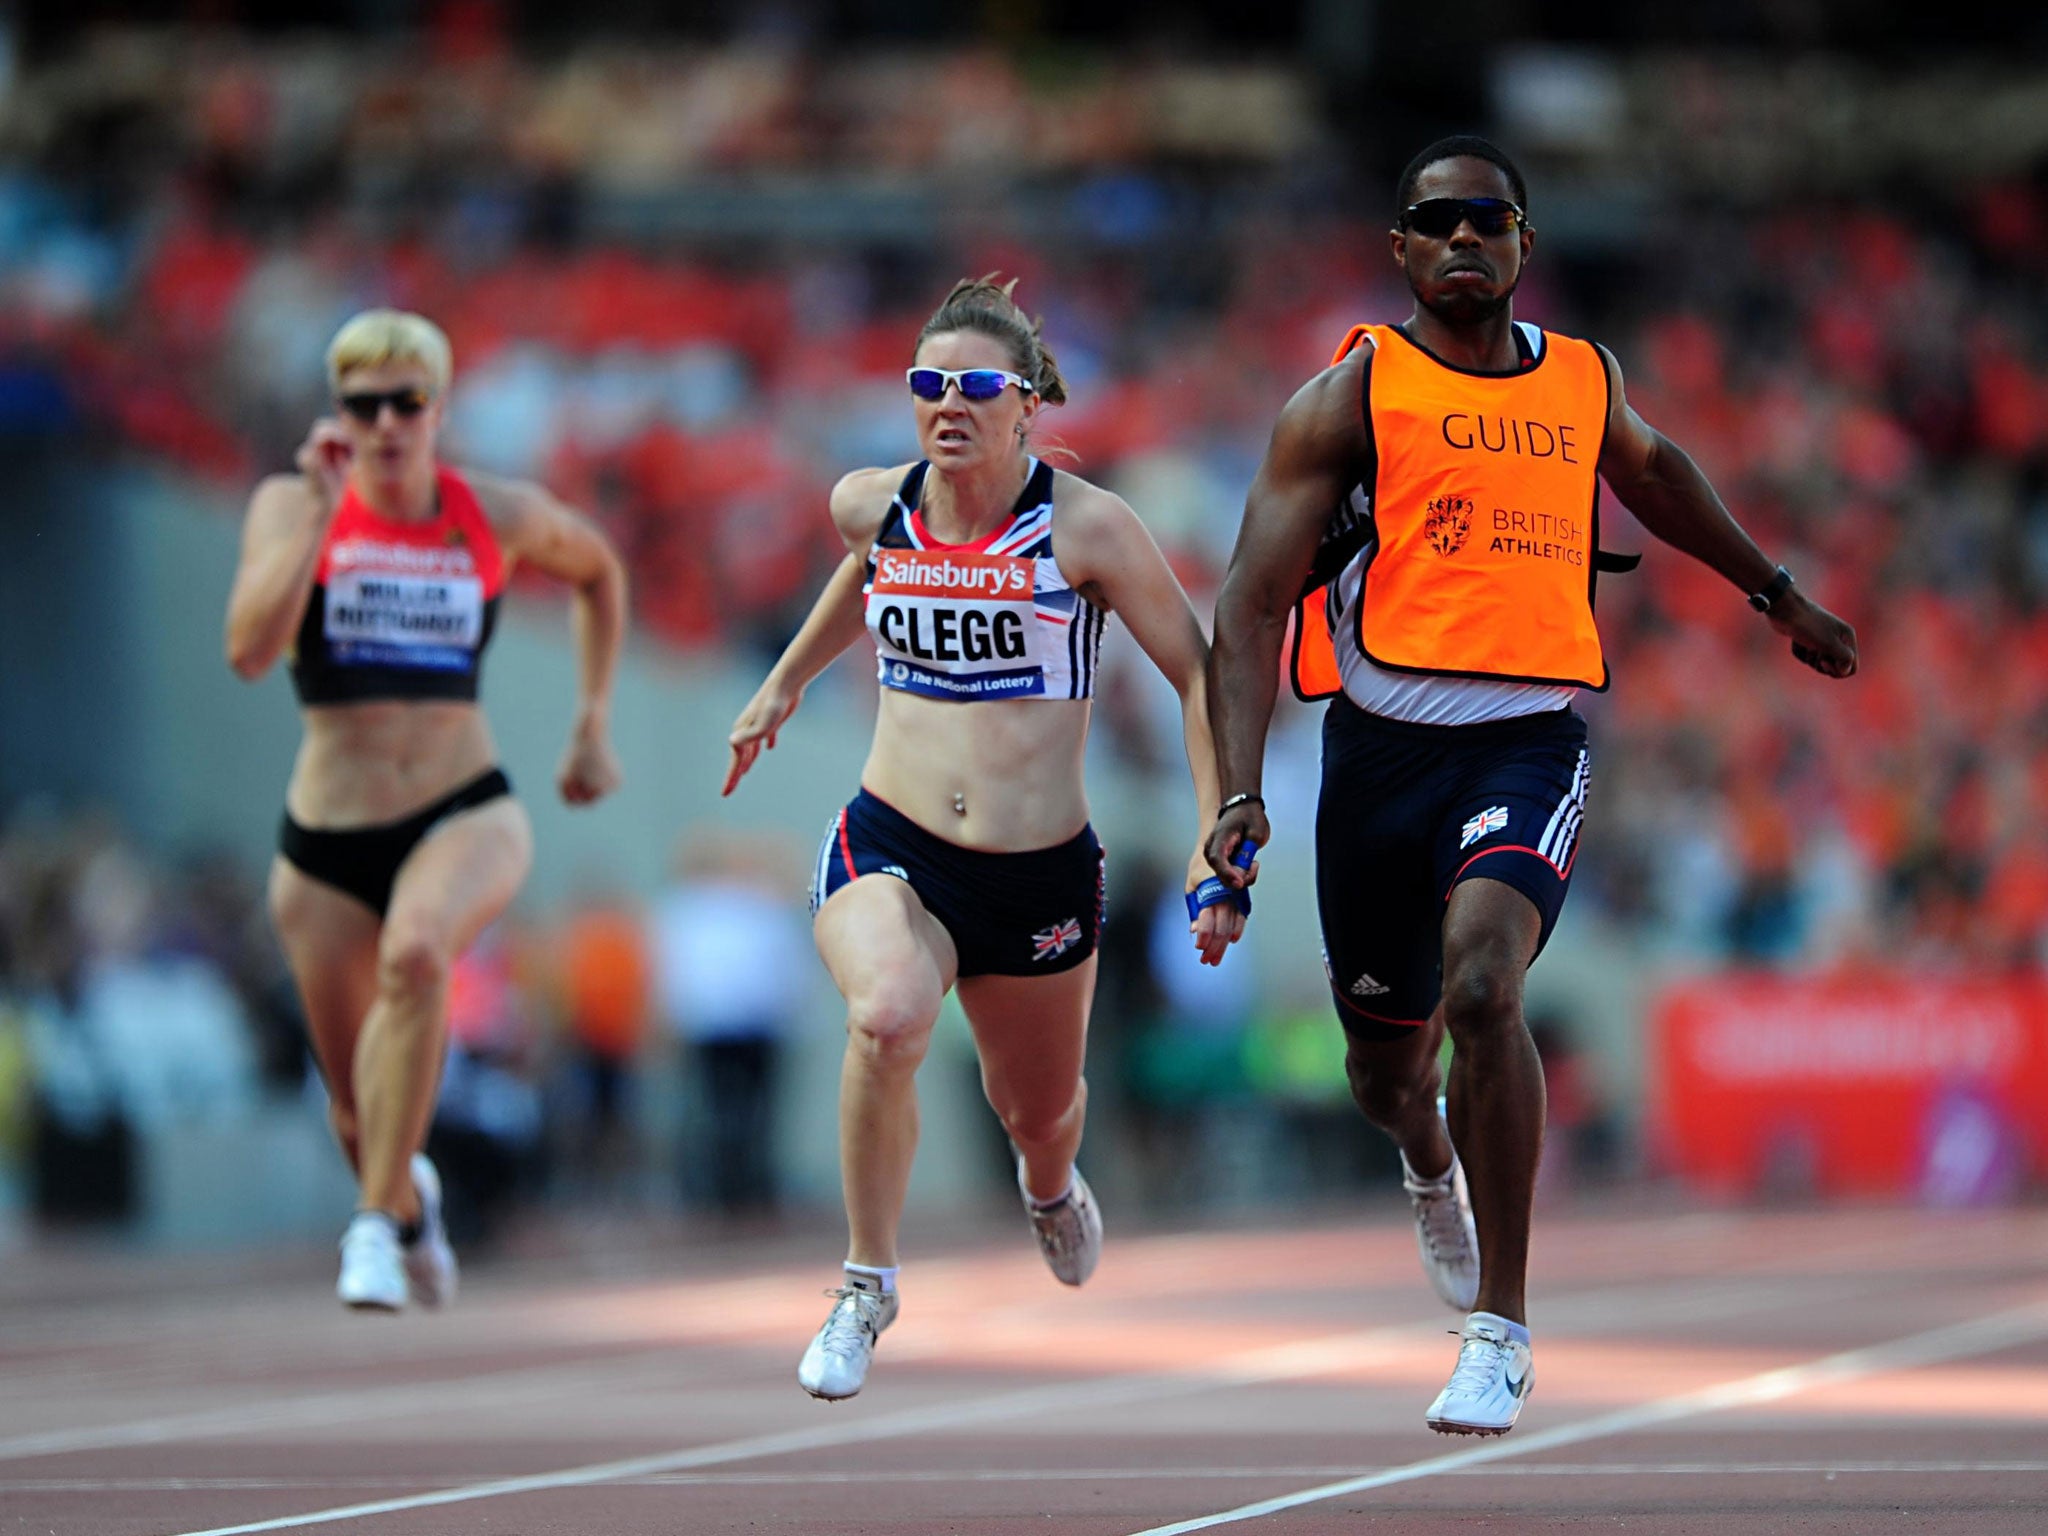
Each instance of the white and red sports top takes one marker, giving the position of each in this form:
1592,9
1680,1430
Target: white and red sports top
401,610
994,619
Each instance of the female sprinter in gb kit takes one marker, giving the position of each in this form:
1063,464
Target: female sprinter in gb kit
985,579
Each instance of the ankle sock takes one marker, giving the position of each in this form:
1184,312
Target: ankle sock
1057,1200
1408,1172
1518,1332
868,1277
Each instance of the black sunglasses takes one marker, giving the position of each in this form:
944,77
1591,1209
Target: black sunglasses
1439,217
368,405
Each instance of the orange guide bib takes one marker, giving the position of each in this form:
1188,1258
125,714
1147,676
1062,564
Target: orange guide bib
1485,515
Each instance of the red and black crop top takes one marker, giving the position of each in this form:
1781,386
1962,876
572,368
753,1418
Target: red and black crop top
401,610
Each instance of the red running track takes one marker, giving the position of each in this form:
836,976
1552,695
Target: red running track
1716,1373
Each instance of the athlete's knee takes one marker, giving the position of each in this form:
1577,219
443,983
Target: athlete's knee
1033,1123
414,964
1387,1090
890,1028
1482,997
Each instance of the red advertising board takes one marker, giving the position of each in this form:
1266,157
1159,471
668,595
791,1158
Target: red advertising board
1847,1085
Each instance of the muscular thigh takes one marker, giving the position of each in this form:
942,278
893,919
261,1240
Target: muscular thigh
1376,880
883,948
462,876
329,940
1514,818
1031,1031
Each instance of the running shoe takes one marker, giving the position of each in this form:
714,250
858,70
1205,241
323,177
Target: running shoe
372,1270
429,1260
1069,1232
837,1362
1493,1379
1445,1233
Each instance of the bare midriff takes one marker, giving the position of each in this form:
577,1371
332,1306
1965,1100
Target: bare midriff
380,760
1003,776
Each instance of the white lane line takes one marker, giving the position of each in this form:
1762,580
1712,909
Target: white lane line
448,1393
1722,1296
938,1416
452,1393
1953,1342
1067,1475
1244,1474
1272,1363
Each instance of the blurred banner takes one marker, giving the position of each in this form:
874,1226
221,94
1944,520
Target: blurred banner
1876,1084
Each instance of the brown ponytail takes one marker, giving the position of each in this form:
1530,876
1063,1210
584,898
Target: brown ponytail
984,305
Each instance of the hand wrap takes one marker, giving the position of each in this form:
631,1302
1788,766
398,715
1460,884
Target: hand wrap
1213,892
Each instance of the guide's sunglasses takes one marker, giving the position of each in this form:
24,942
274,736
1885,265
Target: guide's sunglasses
367,405
1439,217
974,383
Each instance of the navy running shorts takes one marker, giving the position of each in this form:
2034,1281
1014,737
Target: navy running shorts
1009,914
1407,812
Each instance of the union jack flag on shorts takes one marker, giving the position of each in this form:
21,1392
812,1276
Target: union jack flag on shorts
1056,940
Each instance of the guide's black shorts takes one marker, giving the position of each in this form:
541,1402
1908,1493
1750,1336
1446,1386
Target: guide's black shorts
1409,811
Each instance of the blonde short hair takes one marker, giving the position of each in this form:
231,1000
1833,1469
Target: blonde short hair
379,336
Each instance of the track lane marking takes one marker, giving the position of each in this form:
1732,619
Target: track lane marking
1274,1363
1954,1341
1069,1475
324,1408
1704,1297
1288,1361
1724,1294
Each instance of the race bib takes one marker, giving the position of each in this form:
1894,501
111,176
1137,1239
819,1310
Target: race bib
956,626
397,619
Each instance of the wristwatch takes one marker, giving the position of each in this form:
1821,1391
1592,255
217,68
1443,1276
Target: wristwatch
1779,584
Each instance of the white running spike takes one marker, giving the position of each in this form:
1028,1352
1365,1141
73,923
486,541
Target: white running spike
372,1273
1493,1378
836,1364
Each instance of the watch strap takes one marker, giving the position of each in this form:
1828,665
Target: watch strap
1779,584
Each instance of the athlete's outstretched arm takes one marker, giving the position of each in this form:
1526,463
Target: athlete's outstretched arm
1317,454
835,621
1107,550
535,527
287,522
1658,481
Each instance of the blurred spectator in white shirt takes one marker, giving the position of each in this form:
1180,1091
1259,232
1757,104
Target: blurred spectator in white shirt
734,969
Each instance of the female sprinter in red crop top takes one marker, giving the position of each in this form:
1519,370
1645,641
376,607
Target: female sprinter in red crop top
985,579
376,571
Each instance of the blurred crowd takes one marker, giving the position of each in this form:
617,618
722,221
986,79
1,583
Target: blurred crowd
135,995
682,286
1869,391
614,1052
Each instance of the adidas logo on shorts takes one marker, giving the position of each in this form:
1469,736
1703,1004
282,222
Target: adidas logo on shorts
1365,986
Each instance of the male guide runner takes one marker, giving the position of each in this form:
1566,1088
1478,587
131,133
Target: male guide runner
1430,505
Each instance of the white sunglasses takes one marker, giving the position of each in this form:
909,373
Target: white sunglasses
973,383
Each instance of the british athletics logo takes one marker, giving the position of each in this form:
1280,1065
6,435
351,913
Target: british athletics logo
1056,940
1484,824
